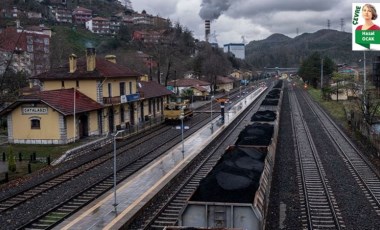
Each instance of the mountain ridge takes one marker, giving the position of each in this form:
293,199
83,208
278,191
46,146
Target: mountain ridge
281,50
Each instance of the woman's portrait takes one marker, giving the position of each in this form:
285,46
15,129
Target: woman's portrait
369,14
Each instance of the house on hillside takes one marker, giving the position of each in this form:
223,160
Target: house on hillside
150,36
180,85
224,84
98,25
87,97
27,50
237,74
81,15
61,14
142,19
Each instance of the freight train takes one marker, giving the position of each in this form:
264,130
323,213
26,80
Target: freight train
235,192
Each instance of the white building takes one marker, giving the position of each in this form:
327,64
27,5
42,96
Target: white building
237,49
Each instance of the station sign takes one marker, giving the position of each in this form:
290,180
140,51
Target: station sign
34,110
129,98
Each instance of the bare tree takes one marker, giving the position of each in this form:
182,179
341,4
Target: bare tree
214,63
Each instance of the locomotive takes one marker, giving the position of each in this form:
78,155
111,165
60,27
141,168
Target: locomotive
174,109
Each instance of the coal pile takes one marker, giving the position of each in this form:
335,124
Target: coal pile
234,179
278,84
256,134
273,94
266,115
270,102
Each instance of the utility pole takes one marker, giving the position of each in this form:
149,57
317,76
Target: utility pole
321,73
364,84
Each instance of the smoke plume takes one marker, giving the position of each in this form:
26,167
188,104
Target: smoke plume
212,9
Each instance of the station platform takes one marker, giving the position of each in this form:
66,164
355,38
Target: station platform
137,190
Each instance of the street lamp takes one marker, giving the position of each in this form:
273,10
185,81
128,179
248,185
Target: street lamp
212,126
364,83
114,168
182,116
321,73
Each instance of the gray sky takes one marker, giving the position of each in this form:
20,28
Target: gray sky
253,19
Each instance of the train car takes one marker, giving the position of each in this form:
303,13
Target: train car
235,193
174,109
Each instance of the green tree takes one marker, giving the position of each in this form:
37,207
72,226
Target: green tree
124,34
187,93
342,82
310,69
213,63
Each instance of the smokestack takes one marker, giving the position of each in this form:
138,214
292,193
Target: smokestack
207,30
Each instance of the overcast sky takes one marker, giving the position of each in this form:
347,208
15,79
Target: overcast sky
253,19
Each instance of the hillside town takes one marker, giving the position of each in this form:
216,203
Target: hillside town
160,118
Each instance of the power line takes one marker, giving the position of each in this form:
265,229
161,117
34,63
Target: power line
342,24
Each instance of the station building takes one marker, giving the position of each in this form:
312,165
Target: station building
87,97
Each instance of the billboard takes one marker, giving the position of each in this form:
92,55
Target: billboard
365,26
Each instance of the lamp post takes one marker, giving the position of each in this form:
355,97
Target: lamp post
114,169
321,73
182,116
364,84
212,126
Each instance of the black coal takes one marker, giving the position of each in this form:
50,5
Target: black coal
234,179
266,115
256,134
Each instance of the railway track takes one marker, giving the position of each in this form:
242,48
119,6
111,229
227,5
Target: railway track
366,176
164,209
317,199
135,157
24,196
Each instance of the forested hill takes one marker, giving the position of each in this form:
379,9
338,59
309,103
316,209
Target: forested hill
280,50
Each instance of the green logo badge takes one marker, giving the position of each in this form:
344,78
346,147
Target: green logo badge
367,37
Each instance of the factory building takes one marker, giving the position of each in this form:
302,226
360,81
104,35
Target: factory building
236,49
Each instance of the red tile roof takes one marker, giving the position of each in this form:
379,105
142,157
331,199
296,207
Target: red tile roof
188,83
103,69
99,19
79,8
224,80
62,100
151,89
200,88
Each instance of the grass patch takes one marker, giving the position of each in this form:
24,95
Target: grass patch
42,152
335,108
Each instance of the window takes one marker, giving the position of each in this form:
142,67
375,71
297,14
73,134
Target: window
130,87
77,83
122,88
109,90
35,123
63,84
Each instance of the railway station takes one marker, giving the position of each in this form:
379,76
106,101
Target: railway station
135,192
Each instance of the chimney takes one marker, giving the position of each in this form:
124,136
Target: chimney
207,29
18,26
90,57
72,63
111,58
